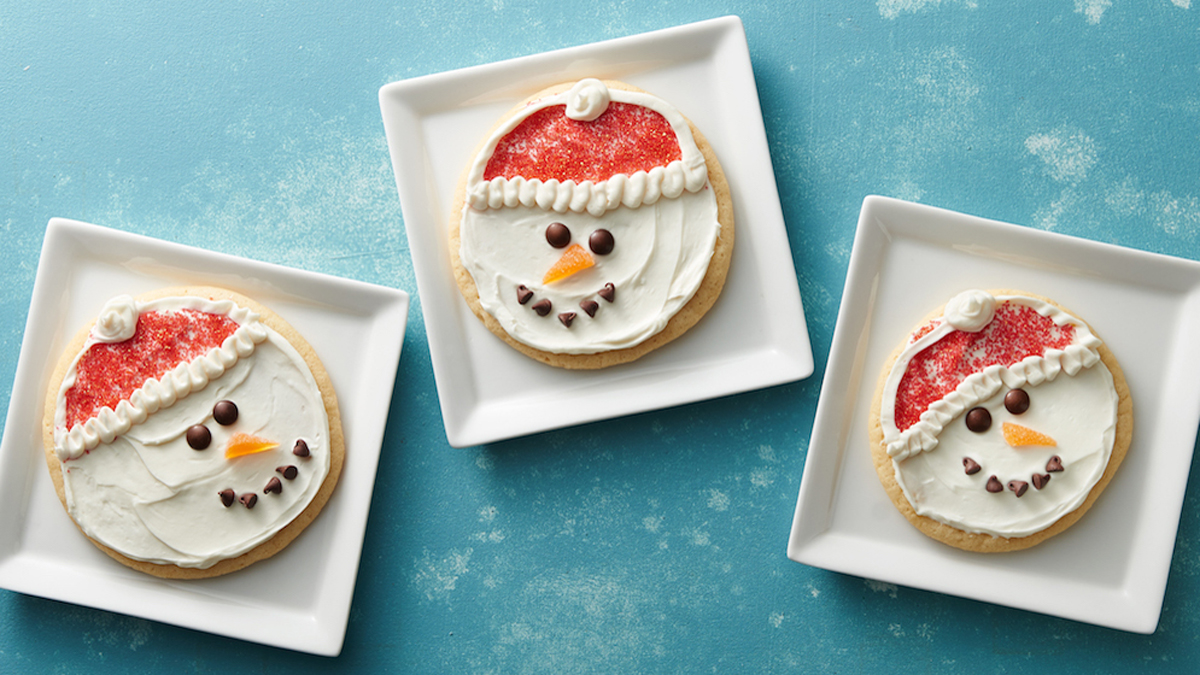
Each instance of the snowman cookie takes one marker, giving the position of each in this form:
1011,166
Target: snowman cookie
593,225
191,432
999,421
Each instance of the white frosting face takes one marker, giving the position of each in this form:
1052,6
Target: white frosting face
663,223
148,495
659,258
1072,400
1079,413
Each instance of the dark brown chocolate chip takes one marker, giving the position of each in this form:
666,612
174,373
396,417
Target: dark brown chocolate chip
227,497
1016,401
301,449
601,242
273,486
1018,486
979,420
542,307
225,413
558,235
1055,464
972,467
994,485
609,292
199,437
1040,480
589,306
567,318
289,472
524,295
248,500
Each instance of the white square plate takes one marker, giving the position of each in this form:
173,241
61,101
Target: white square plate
754,337
1111,567
300,598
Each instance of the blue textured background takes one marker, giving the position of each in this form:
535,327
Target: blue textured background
653,543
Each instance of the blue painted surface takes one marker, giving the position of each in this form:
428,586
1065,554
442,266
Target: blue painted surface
653,543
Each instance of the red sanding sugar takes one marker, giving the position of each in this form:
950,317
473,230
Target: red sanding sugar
1015,332
626,139
110,372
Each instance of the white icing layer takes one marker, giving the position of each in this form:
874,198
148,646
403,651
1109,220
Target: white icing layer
1079,413
659,260
148,495
689,173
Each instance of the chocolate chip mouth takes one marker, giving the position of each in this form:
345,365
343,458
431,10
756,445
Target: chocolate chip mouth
274,485
1018,486
543,307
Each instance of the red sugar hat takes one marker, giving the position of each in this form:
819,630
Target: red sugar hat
1015,333
624,139
109,372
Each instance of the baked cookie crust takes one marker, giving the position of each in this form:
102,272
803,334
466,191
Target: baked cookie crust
687,316
986,543
289,532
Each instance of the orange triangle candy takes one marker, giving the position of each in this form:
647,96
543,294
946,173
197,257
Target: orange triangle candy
241,445
1017,435
574,259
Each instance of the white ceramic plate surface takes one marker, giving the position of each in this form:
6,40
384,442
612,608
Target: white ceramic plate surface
1111,567
754,337
300,598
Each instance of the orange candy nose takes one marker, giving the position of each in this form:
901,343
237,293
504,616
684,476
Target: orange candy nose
1017,435
245,444
574,259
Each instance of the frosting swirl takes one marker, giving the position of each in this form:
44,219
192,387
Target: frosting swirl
970,310
117,322
587,100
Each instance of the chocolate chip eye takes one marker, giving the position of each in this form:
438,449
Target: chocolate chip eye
1016,401
601,242
199,437
558,235
979,420
225,413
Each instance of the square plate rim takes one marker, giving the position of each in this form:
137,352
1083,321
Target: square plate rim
403,104
1136,606
320,631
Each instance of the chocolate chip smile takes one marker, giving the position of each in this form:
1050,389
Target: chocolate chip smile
543,307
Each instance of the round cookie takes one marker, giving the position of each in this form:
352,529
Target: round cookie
150,460
581,157
999,421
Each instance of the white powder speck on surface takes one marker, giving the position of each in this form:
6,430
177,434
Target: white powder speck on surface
890,9
487,514
438,577
882,587
762,478
1182,3
718,501
1069,154
1093,10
